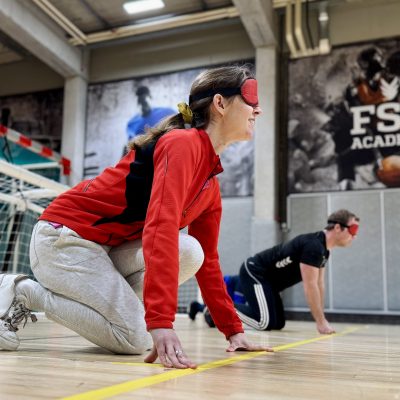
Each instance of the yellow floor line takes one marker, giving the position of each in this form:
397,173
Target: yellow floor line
130,386
140,364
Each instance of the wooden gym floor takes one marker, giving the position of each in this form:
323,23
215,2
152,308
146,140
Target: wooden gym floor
359,362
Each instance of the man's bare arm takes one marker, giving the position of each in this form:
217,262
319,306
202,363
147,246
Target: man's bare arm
311,283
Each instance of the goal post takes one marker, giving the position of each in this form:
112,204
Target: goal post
23,197
18,149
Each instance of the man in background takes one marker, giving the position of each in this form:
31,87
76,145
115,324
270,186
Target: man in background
264,276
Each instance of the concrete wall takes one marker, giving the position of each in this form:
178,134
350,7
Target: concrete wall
365,277
235,234
27,76
352,23
168,52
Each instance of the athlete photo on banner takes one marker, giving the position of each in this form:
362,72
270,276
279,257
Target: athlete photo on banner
119,111
344,119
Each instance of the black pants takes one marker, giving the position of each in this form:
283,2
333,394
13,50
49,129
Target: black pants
264,308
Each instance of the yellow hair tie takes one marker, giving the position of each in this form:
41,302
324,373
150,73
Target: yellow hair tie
186,112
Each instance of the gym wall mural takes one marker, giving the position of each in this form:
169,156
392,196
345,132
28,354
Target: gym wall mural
344,119
118,111
36,115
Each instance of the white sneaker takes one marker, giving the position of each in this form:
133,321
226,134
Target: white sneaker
8,339
12,312
7,292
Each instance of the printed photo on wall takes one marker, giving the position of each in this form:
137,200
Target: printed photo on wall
344,119
119,111
36,115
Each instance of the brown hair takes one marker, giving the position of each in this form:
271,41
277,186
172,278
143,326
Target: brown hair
341,217
222,77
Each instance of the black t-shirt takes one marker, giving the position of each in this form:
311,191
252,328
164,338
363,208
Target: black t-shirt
280,265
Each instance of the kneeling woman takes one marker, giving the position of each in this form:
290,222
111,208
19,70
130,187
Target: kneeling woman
101,245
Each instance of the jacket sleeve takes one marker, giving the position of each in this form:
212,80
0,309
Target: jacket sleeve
213,289
173,173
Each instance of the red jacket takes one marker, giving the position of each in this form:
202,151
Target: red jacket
153,193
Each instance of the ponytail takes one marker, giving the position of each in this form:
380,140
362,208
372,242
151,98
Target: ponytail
153,134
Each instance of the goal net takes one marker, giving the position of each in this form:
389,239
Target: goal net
23,197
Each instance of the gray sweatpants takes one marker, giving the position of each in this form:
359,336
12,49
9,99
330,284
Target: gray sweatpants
96,290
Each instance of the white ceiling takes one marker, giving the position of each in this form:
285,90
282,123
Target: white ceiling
97,15
93,17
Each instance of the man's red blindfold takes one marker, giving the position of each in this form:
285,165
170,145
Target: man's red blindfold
353,228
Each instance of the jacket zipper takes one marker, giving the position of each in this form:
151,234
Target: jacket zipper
87,185
199,193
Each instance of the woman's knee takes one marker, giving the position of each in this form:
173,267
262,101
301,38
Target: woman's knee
138,343
191,256
134,340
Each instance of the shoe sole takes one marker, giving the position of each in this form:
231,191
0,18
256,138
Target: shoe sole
9,343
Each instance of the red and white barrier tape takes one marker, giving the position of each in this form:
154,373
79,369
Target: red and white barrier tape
36,147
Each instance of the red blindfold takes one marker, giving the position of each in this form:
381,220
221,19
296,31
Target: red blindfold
353,228
248,92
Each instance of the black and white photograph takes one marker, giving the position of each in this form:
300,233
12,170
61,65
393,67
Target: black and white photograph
118,111
36,115
344,119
